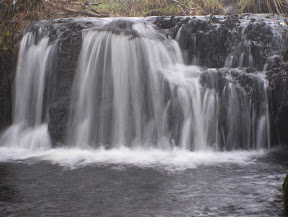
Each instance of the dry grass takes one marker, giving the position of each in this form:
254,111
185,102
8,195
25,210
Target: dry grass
211,6
264,6
160,7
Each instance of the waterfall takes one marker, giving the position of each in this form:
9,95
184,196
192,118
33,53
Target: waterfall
132,88
29,128
119,93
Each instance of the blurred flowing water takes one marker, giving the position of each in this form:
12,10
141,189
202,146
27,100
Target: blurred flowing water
147,134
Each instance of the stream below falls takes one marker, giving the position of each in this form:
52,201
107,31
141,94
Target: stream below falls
68,183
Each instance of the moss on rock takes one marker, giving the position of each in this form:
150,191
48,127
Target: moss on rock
285,193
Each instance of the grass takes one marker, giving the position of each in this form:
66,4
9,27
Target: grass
264,6
144,7
211,6
162,7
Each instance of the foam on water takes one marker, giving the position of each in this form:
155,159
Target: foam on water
171,160
28,138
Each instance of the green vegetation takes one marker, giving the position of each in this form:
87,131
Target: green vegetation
285,193
8,37
13,17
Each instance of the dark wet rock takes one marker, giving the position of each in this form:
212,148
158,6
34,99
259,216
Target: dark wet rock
278,103
58,111
7,68
273,62
207,41
232,21
170,25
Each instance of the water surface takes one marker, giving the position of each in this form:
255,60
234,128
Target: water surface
249,184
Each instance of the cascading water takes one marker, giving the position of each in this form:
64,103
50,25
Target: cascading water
29,128
132,88
119,95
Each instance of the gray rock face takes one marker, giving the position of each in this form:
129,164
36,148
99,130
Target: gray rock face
69,44
6,92
278,99
209,41
60,104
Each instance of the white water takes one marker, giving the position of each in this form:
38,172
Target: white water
29,129
134,95
175,159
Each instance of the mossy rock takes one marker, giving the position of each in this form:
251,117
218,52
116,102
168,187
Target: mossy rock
285,193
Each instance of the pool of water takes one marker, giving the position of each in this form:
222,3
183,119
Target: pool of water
222,184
